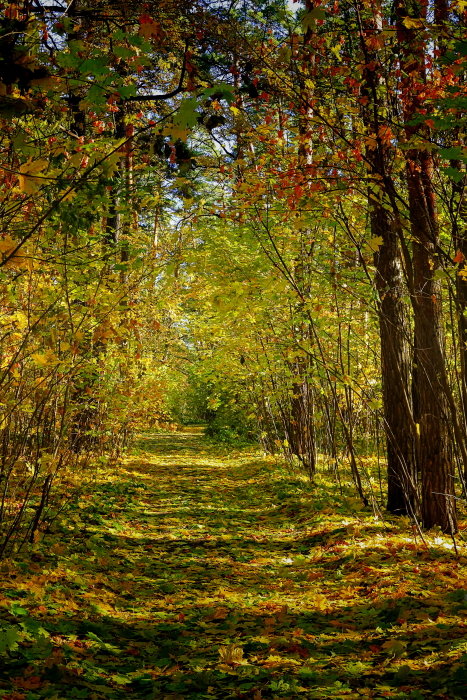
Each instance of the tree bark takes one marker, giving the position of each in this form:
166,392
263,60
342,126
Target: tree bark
395,367
438,494
394,328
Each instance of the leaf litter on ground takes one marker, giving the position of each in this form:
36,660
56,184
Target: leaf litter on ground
191,571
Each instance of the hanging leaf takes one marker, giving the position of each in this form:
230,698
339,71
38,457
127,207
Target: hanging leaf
187,116
375,243
413,23
29,178
148,27
309,19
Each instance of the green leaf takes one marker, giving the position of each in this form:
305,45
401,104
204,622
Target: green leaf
187,116
126,91
309,19
121,680
454,174
453,153
16,609
9,637
94,66
222,91
123,51
96,95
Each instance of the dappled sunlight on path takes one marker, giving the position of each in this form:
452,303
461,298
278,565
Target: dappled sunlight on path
192,572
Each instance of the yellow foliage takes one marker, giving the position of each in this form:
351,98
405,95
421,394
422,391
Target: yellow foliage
30,178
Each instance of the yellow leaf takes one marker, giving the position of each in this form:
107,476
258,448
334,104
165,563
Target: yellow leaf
7,244
176,132
231,654
44,359
33,167
21,320
68,195
375,243
29,180
412,23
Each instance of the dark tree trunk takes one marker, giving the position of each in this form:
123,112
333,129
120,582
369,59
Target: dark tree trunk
438,502
395,367
301,428
394,328
433,395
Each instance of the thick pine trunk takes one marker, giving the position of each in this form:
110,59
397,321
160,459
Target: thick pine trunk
438,501
394,329
432,390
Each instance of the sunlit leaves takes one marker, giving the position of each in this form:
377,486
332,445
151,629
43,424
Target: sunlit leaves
263,579
31,175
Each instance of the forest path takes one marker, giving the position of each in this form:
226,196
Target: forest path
198,572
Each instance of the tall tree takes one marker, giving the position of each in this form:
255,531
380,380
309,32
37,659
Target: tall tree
387,232
434,454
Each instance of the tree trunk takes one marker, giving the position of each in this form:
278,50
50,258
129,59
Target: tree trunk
301,426
438,494
438,502
395,367
394,329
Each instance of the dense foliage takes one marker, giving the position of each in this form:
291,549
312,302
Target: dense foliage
247,214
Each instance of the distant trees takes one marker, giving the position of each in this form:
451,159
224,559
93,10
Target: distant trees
374,97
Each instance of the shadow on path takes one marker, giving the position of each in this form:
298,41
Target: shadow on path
195,573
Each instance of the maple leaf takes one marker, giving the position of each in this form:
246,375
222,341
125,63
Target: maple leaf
231,655
148,27
375,243
219,614
394,647
7,244
29,178
413,22
9,637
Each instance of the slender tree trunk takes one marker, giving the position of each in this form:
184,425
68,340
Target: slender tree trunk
302,406
395,367
301,429
460,244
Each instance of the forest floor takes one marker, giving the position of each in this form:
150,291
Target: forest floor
198,572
